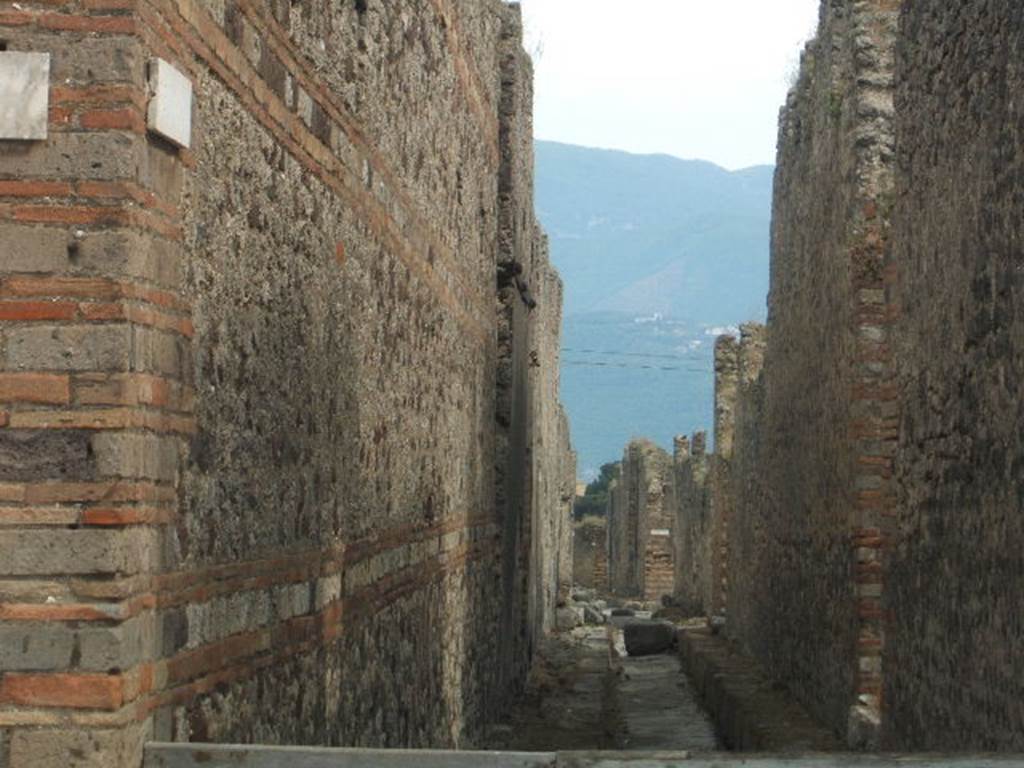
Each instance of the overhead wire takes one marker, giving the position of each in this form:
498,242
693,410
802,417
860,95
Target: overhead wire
690,357
631,366
694,355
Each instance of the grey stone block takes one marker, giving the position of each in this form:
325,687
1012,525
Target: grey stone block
134,455
69,348
118,647
568,618
33,249
94,156
35,647
70,748
100,59
158,351
27,455
593,616
214,756
114,253
644,638
36,552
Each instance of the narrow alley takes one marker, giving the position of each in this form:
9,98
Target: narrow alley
586,692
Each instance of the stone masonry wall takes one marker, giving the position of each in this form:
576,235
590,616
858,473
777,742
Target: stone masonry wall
711,520
640,523
873,536
693,579
590,560
746,560
280,462
825,442
955,569
721,498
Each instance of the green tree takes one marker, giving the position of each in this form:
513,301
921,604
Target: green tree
594,501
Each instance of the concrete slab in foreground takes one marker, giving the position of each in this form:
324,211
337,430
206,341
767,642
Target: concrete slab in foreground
227,756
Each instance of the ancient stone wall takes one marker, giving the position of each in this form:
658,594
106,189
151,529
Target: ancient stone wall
280,463
823,444
872,549
691,466
590,559
955,567
745,559
640,523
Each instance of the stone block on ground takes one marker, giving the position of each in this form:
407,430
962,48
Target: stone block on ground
672,613
583,595
623,612
592,616
568,618
646,638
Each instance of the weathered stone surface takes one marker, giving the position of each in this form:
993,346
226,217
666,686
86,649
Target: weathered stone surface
77,748
26,455
27,648
36,552
888,402
648,637
134,455
955,565
569,617
640,523
68,348
590,553
803,504
115,647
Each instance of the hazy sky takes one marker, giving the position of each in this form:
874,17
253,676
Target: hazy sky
692,78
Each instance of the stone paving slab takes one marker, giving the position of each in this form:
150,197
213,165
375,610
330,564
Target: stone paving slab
221,756
238,756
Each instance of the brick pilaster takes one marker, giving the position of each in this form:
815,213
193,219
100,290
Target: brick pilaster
95,395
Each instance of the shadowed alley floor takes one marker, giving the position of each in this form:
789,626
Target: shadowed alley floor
584,694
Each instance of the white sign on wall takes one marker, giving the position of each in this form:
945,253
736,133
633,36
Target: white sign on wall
24,95
170,104
661,532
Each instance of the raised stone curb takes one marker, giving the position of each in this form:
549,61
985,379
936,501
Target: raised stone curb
751,713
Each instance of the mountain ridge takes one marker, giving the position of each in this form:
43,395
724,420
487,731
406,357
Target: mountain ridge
658,254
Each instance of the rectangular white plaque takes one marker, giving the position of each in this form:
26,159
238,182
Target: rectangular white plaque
170,104
661,532
24,95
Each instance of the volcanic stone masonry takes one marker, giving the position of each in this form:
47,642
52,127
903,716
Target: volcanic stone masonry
873,541
282,458
590,553
639,523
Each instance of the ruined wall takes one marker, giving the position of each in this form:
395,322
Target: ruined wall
250,390
746,559
953,668
693,580
823,449
640,523
553,472
617,548
590,559
721,497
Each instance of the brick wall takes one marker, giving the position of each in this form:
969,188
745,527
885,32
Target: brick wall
252,487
